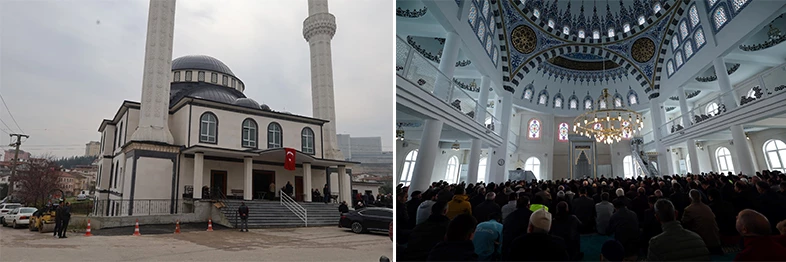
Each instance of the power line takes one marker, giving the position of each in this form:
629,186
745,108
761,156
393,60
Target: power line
9,113
6,126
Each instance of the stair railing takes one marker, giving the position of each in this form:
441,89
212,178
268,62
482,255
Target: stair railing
294,207
636,146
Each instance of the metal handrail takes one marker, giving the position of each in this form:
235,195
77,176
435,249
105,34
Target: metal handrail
293,206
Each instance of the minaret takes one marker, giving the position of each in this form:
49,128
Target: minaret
154,113
318,29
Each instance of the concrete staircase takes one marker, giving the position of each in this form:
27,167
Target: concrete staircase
264,214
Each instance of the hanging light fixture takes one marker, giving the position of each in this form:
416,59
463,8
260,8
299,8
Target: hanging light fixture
456,146
399,134
608,124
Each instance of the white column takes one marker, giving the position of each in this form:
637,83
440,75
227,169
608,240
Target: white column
318,30
427,153
743,151
730,100
684,107
345,190
483,99
656,123
199,164
694,157
157,74
248,167
307,181
447,64
480,116
497,171
474,161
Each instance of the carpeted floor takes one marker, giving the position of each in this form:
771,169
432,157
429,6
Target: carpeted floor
592,243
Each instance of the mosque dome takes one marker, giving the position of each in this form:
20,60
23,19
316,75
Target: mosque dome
247,102
201,62
265,107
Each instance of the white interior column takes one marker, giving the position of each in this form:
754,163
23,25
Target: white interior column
474,161
684,107
307,181
427,154
694,157
248,167
656,123
345,191
497,171
480,117
483,99
199,163
743,151
730,100
447,64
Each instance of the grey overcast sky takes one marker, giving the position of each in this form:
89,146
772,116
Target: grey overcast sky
66,65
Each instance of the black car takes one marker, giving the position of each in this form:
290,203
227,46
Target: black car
367,219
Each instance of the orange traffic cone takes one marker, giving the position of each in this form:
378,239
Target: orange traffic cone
177,227
209,225
136,229
88,233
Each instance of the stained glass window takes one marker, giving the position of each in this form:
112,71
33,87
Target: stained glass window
720,17
595,34
626,28
611,32
527,94
688,49
481,30
536,13
492,27
684,30
712,2
574,104
588,105
699,36
473,15
679,59
642,20
558,102
625,131
617,102
563,132
602,104
737,4
534,129
670,67
486,8
633,99
675,42
551,23
542,99
581,33
566,30
694,16
488,44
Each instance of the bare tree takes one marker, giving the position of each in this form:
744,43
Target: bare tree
37,180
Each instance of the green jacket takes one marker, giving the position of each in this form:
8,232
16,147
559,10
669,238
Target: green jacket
677,243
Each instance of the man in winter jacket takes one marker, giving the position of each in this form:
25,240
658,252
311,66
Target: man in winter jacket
675,243
428,234
488,238
242,211
758,245
488,207
515,224
698,217
459,205
458,245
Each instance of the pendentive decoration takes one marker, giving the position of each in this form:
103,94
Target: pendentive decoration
643,50
524,39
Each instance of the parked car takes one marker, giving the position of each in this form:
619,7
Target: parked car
18,217
82,196
7,207
367,219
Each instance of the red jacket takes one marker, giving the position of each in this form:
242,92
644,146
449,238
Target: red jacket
761,248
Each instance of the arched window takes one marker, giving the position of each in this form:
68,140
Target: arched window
628,170
670,67
678,58
688,49
208,128
551,23
563,132
481,30
675,42
656,7
473,15
699,38
602,104
409,167
566,30
249,133
574,104
274,136
683,30
694,16
611,32
486,8
587,104
724,160
595,34
719,16
558,102
482,169
711,109
581,34
775,152
737,4
687,164
451,173
626,28
534,129
533,164
488,43
536,13
711,2
617,102
642,20
307,140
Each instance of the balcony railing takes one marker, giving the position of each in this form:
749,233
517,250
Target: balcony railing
421,72
751,91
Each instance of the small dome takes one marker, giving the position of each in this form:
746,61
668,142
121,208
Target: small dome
247,102
201,62
265,107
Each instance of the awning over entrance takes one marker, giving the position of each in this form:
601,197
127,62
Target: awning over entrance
273,155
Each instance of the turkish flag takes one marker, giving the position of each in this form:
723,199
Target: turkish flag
289,161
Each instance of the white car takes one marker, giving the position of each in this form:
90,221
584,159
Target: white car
19,216
7,207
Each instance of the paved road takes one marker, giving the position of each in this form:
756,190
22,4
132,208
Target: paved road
290,244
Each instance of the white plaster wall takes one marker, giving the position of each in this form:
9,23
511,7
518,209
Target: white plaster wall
441,163
131,124
230,127
153,178
712,146
178,125
542,148
125,173
618,153
758,139
109,135
561,153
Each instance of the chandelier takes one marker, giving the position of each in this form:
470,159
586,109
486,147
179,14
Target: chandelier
456,146
610,123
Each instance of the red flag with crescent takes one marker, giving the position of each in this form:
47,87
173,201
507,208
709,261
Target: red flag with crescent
289,161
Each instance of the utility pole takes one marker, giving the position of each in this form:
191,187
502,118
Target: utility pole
15,160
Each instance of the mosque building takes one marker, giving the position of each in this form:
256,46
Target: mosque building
492,90
195,130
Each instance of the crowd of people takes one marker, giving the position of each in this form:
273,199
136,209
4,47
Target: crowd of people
665,218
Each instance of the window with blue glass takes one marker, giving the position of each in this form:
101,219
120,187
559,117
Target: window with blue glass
675,43
738,4
488,44
694,16
688,49
678,58
670,67
683,30
473,15
699,38
720,18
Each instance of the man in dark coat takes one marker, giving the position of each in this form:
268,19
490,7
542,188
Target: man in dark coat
771,204
58,219
458,244
326,191
584,209
639,203
289,189
242,211
65,217
488,207
412,207
428,234
724,213
343,208
515,224
625,226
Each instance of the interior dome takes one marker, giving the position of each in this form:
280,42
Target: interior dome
201,62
